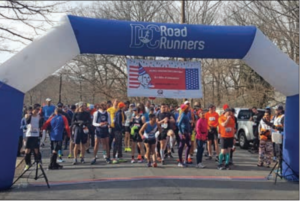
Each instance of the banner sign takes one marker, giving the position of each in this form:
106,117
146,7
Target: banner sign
163,79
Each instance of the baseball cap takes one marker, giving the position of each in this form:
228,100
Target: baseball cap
48,99
121,105
279,107
132,105
60,104
186,102
225,106
108,102
134,109
210,106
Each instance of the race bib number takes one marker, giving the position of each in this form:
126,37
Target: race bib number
34,130
228,130
137,125
212,119
86,130
165,125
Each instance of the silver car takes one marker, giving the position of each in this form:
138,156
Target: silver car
244,134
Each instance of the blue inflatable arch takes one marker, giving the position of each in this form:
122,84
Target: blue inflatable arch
79,35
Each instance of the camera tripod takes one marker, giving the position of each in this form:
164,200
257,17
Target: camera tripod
278,164
38,165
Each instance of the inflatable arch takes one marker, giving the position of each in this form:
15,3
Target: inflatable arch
78,35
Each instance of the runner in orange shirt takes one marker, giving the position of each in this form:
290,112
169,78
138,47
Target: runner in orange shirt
212,118
226,129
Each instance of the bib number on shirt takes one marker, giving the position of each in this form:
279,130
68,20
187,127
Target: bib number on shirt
137,125
164,125
34,130
228,130
85,130
212,119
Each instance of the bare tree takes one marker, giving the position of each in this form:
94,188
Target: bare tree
27,14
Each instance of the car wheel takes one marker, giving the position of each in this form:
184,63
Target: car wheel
243,140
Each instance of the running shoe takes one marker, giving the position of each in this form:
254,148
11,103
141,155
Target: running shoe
60,160
126,149
129,149
26,168
70,156
50,167
220,167
149,164
217,158
260,164
139,157
227,167
190,161
88,151
206,154
163,162
195,150
209,158
170,156
93,161
42,145
58,166
74,161
133,161
172,150
82,160
154,165
185,164
104,154
140,161
200,165
115,161
180,165
108,161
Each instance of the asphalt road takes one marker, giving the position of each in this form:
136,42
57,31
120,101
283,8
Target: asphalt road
136,181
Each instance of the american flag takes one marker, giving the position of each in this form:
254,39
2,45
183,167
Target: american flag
191,79
134,72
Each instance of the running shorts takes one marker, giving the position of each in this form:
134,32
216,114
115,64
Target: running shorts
226,143
151,141
213,134
32,143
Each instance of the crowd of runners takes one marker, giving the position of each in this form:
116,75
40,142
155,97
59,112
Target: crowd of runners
150,132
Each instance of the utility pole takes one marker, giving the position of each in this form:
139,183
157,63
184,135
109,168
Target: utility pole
60,85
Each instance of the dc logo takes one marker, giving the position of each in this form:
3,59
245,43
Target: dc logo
143,36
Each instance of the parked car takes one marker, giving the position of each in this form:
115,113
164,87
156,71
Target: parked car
244,134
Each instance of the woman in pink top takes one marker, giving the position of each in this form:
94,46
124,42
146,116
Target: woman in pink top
201,137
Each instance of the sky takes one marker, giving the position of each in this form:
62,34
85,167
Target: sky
21,28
